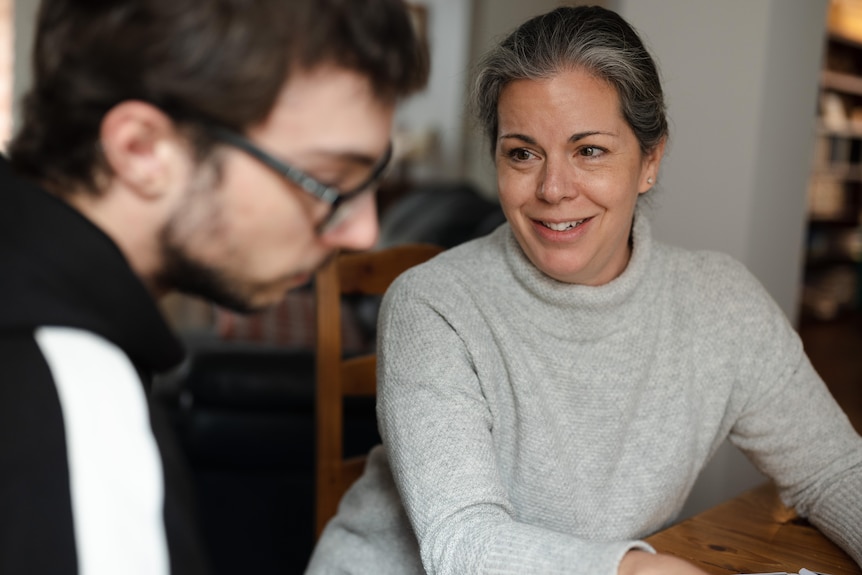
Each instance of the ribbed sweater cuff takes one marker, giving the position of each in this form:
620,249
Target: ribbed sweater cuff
524,552
839,518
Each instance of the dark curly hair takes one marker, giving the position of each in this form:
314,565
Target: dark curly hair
200,61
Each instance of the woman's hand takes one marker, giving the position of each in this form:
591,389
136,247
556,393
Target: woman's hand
644,563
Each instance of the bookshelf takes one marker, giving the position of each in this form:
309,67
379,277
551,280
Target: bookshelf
833,268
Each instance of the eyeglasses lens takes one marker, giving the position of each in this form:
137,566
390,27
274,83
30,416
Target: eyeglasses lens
345,210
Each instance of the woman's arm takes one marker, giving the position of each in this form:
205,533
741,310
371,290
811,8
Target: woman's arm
797,434
793,429
437,427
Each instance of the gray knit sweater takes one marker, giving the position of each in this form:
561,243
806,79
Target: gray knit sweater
534,426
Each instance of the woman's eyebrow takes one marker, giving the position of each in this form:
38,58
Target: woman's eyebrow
573,138
581,135
521,137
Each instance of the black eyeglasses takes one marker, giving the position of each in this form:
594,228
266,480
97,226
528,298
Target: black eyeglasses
340,204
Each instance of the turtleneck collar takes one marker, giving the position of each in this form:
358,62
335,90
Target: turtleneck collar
578,311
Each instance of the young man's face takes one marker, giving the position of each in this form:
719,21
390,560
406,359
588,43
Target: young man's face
255,235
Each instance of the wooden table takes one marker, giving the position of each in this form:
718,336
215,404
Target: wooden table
753,533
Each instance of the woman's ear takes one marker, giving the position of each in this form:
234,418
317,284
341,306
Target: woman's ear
651,165
141,144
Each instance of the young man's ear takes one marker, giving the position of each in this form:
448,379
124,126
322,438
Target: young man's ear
140,144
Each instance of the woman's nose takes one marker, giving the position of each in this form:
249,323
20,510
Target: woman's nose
558,181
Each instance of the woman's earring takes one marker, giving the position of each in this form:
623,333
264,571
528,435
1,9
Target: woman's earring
649,180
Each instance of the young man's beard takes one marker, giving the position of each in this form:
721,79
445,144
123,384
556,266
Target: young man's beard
183,274
200,213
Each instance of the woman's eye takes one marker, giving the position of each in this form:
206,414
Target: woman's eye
520,154
590,151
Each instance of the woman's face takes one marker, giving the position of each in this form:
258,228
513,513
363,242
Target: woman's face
569,171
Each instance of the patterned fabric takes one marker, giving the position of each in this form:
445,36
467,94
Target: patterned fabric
291,323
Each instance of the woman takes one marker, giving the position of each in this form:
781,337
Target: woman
549,393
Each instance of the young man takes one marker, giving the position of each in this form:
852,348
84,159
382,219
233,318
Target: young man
225,148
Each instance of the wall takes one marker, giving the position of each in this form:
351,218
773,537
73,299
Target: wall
741,80
7,34
435,115
25,18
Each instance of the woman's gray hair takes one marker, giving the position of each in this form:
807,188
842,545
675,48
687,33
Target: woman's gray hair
583,37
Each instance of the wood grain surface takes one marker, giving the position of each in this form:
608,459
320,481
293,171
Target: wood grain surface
753,533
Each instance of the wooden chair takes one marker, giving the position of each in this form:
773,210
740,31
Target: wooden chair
337,378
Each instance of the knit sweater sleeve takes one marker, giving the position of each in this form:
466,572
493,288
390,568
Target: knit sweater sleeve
791,426
437,429
799,436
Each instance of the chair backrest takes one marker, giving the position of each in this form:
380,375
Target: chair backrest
354,273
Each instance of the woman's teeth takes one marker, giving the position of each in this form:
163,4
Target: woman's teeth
563,226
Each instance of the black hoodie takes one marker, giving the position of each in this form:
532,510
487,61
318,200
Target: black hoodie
91,480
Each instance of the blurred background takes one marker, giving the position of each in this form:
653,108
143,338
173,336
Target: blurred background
765,104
